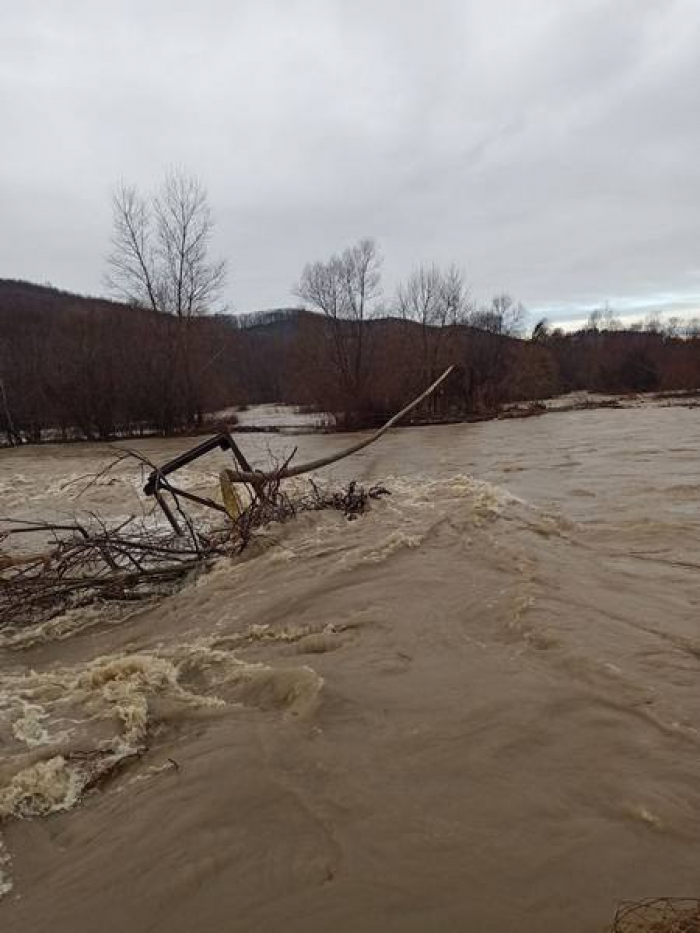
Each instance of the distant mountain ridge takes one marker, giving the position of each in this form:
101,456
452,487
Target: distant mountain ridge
20,294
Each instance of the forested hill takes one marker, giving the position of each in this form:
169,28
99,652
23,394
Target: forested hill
18,296
78,367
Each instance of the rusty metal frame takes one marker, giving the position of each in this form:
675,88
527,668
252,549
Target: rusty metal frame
157,482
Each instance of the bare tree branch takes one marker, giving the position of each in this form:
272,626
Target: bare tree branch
240,476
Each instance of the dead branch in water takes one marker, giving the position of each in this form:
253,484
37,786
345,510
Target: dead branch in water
658,915
80,565
262,486
134,560
244,476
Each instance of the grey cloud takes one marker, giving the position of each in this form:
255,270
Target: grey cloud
548,147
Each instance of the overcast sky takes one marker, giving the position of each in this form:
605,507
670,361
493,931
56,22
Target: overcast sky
550,147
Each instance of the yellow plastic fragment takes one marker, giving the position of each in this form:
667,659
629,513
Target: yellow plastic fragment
231,499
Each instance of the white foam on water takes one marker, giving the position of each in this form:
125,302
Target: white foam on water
6,883
394,542
67,624
122,695
149,773
30,727
642,814
415,509
461,496
42,788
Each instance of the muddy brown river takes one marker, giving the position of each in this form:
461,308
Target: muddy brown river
475,708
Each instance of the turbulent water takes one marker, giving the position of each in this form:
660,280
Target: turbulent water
474,708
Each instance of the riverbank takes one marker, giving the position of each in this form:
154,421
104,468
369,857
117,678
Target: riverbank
283,419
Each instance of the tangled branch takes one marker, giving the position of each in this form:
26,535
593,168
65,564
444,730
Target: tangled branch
658,915
139,559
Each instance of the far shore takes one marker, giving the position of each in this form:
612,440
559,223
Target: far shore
291,420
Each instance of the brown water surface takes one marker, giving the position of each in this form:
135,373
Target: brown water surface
475,708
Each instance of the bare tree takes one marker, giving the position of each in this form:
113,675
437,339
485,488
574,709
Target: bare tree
603,318
435,300
419,298
433,297
673,326
652,323
541,331
457,303
345,289
159,257
502,316
692,328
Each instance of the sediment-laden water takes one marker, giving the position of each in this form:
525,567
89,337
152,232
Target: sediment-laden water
475,708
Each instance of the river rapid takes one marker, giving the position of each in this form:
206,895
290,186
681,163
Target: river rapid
477,707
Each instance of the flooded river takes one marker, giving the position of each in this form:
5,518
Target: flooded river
475,708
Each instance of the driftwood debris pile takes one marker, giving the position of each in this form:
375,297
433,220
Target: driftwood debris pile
135,561
80,563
